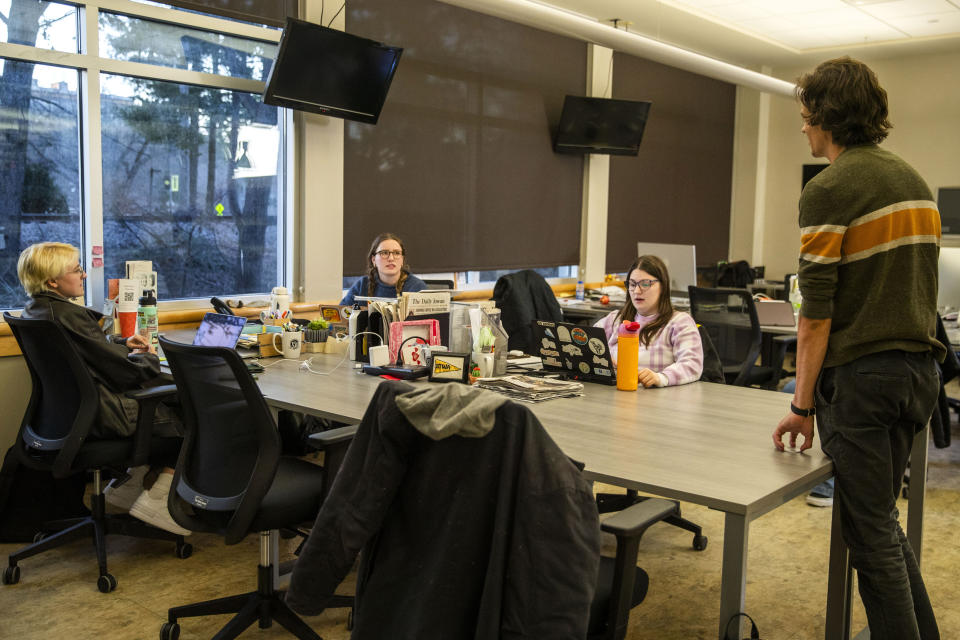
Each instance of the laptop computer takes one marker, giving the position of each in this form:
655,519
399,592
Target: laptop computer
219,330
776,313
575,351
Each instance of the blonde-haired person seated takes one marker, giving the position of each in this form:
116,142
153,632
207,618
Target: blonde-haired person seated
51,274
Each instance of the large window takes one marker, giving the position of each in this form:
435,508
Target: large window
187,169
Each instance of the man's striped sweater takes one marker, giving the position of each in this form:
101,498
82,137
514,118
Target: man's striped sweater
870,241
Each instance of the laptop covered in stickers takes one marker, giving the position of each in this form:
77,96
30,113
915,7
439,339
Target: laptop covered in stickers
575,351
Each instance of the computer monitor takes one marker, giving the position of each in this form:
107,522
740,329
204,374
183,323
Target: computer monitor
681,261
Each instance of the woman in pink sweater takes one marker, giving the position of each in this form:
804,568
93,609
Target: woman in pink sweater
670,349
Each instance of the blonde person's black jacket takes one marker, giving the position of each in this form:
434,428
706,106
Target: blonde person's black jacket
114,368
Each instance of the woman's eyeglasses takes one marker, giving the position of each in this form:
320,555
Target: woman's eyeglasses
643,285
79,270
384,253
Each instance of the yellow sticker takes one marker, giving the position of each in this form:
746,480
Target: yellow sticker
441,366
219,208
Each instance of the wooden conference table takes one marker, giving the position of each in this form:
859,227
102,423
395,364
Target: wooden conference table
702,443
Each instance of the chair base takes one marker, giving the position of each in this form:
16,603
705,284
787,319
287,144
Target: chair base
264,606
607,502
97,525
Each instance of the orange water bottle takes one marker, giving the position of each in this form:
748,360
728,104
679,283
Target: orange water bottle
628,349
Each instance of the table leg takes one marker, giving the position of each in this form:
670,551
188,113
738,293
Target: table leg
839,583
917,491
734,572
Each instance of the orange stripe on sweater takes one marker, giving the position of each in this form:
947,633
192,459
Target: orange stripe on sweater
891,227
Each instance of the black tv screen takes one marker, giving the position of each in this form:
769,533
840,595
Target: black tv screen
327,71
601,125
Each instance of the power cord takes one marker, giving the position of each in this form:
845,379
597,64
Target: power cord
306,365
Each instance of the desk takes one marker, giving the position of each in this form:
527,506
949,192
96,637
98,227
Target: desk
693,443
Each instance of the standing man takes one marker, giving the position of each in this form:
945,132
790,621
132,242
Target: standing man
870,238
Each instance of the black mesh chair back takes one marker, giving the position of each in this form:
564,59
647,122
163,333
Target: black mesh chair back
64,400
730,318
232,447
231,479
439,284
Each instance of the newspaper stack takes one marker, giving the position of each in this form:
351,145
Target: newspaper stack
531,389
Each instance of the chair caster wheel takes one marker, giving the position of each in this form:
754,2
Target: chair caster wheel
170,631
106,583
184,550
905,492
11,575
350,619
699,543
38,536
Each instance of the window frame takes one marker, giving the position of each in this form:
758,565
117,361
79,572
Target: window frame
91,65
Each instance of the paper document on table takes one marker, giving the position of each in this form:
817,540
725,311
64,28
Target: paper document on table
532,389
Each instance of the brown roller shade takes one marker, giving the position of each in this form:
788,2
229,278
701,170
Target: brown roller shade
269,12
461,164
678,189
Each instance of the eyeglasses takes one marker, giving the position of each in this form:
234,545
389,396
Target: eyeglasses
384,253
79,270
643,285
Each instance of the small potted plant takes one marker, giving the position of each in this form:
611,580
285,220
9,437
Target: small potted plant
315,334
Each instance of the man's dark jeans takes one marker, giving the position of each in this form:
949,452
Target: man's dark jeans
868,411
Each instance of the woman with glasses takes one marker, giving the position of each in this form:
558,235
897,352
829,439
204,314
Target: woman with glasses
388,276
670,349
52,276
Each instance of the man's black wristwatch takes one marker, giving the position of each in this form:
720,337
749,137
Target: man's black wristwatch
806,413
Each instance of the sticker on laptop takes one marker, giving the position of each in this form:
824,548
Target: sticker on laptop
563,333
579,335
572,349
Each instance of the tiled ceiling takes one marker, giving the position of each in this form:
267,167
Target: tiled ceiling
785,33
808,24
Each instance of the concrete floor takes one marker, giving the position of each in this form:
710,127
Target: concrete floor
786,591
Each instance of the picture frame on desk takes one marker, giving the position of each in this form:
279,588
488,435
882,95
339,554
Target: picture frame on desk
450,367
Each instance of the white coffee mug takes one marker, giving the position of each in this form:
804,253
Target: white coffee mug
290,341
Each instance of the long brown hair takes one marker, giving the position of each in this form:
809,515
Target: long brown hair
656,268
372,278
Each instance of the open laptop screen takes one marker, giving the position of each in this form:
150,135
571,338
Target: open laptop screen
219,330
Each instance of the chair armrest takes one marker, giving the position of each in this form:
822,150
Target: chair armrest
323,439
153,392
634,520
148,399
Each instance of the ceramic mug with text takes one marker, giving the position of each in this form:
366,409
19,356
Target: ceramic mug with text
290,343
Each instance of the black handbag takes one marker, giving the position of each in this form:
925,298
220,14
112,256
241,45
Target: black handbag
754,632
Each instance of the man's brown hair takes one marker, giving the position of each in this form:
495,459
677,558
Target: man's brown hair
844,97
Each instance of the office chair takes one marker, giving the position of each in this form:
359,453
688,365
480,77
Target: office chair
730,317
523,297
54,437
480,536
231,479
439,284
607,502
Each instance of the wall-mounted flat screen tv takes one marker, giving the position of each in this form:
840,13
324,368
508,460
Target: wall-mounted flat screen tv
601,125
327,71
